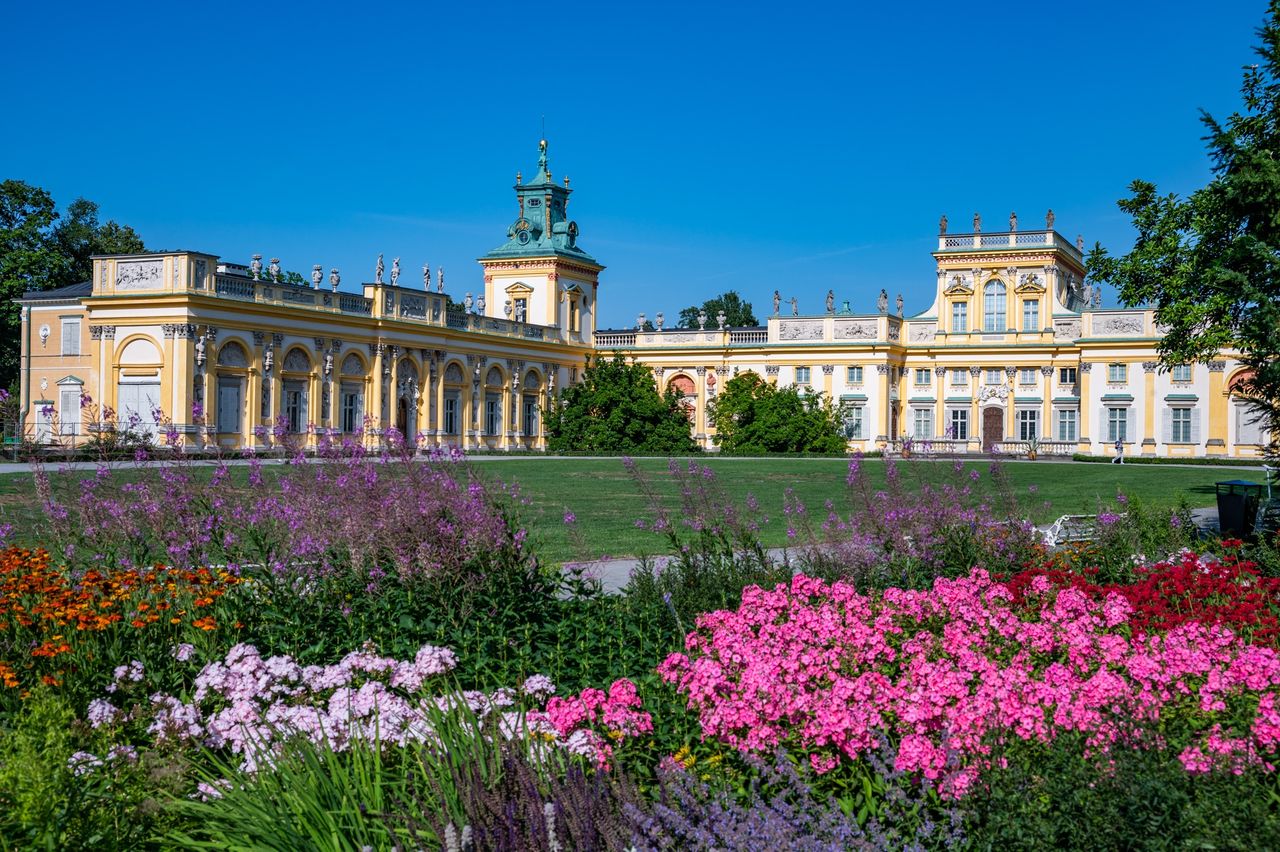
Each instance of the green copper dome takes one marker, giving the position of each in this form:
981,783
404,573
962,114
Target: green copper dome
541,227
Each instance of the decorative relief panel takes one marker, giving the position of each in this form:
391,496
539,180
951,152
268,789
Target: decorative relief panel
297,362
1068,329
1117,325
803,330
139,274
414,307
922,332
855,329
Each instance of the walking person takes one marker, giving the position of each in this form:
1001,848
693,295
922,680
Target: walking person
1119,459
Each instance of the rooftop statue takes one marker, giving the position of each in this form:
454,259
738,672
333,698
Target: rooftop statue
255,267
977,223
468,303
1013,221
480,304
377,275
942,224
317,276
831,301
1049,219
440,280
274,269
795,307
777,302
898,302
395,271
334,279
426,277
882,302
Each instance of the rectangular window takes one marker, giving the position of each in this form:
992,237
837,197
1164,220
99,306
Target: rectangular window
1030,314
1180,426
1117,424
853,375
69,411
1028,425
922,420
959,317
230,404
992,377
352,407
853,422
922,376
492,414
1182,373
295,406
1067,425
522,310
959,377
1027,376
1118,373
960,424
1067,376
451,404
71,337
993,305
531,416
802,375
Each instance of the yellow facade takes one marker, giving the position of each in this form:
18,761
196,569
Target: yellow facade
1009,357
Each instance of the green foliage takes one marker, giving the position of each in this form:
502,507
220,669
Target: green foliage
752,415
617,408
44,805
39,252
1209,262
737,312
1049,797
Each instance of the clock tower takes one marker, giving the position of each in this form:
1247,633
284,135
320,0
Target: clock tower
541,270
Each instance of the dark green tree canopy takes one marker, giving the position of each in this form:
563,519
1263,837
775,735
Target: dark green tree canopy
1210,263
41,250
617,409
754,416
737,312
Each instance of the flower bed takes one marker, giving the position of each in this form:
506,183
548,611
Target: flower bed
823,669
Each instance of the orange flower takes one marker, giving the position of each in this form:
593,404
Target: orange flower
206,623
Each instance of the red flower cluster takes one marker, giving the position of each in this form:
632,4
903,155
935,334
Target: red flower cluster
1229,591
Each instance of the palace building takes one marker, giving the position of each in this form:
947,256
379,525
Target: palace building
1011,356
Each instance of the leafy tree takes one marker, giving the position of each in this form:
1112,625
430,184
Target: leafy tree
617,408
40,250
1210,263
737,312
754,416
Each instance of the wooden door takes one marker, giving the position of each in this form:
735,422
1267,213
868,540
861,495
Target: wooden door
992,427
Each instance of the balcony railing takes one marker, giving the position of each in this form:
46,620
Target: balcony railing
1005,239
400,305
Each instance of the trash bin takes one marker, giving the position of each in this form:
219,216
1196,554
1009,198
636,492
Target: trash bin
1237,506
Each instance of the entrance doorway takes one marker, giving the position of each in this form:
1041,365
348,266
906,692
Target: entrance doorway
992,428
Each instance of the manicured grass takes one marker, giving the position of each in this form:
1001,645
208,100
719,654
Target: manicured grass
607,503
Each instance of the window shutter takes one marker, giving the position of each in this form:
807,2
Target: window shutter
71,337
1103,433
1195,425
1166,425
69,410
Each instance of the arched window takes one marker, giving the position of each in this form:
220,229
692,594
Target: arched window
993,306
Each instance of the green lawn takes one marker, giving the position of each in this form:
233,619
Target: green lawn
607,502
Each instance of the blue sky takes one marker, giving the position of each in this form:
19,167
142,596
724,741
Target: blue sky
797,146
